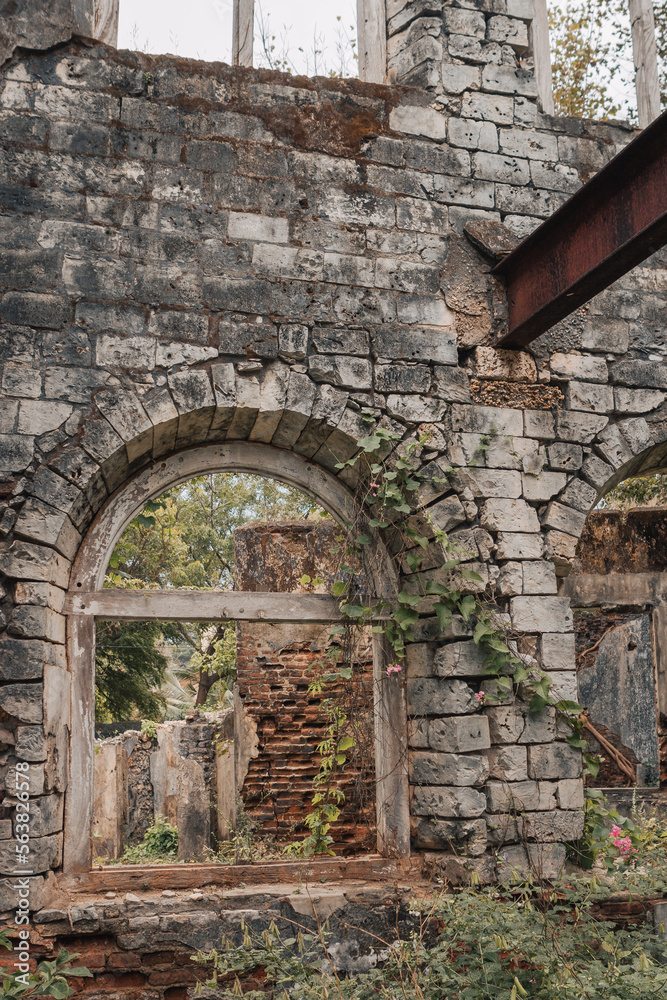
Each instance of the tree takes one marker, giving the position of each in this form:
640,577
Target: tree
184,539
591,54
129,670
584,62
644,491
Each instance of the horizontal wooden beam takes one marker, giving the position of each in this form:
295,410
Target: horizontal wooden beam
151,878
613,223
205,605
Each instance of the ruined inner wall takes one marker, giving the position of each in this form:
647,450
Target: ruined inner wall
284,719
196,253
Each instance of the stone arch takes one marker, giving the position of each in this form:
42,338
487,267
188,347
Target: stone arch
156,474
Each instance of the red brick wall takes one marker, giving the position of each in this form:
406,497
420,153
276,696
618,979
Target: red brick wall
275,666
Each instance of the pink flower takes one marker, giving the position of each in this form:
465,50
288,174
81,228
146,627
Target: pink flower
394,668
375,486
481,696
616,832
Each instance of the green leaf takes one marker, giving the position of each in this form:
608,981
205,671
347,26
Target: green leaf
469,574
305,580
444,614
411,599
467,607
339,588
363,540
346,743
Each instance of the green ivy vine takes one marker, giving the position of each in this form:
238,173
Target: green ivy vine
392,484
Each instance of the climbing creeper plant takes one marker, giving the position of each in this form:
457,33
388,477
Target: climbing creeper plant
391,491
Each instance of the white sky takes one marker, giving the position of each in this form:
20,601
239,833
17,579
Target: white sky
202,29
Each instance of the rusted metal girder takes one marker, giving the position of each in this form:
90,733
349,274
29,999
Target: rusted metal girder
615,221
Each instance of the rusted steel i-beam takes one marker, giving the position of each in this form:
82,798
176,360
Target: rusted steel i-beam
615,221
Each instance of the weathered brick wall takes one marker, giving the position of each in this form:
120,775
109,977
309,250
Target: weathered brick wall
192,253
275,666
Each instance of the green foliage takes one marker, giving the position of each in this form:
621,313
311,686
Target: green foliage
183,539
129,670
477,944
585,58
160,845
48,980
644,491
149,728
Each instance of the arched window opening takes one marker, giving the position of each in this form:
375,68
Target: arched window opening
210,661
618,590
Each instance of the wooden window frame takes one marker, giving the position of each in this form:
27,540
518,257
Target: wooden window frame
88,599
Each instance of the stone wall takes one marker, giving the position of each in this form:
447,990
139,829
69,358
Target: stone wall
185,773
193,253
276,664
618,587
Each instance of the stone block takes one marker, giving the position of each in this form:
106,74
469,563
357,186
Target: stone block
579,426
541,614
447,513
459,659
14,780
16,452
506,366
45,854
491,420
465,837
419,659
561,549
447,769
589,397
416,120
518,545
508,763
516,724
459,734
244,226
436,800
492,483
553,761
46,815
22,659
402,378
418,733
509,515
293,341
580,495
415,409
32,622
637,400
567,457
544,860
539,577
558,651
645,374
510,579
571,793
597,472
416,344
563,518
472,134
434,696
26,561
564,686
30,743
553,825
504,796
350,373
35,309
